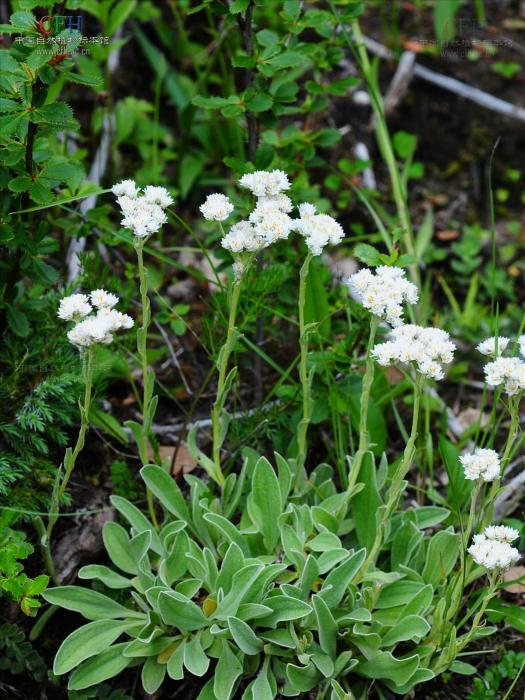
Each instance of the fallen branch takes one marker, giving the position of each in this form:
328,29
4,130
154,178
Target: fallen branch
473,94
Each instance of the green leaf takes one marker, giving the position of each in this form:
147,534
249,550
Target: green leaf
166,490
109,578
326,626
302,678
227,671
462,668
284,608
404,143
260,102
152,675
181,612
210,102
90,604
442,553
56,113
22,183
445,19
137,520
365,504
10,123
338,580
265,502
288,59
195,659
244,636
88,640
409,627
266,38
384,665
242,582
317,307
99,668
82,79
367,254
18,321
23,19
123,552
228,530
238,6
118,15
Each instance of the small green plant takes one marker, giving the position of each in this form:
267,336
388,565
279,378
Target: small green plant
14,584
507,69
17,654
489,686
283,580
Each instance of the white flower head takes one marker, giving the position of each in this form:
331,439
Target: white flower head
488,347
217,207
74,307
264,183
319,230
383,292
493,554
102,299
501,533
507,372
426,349
127,188
158,195
143,215
243,237
269,205
98,328
482,464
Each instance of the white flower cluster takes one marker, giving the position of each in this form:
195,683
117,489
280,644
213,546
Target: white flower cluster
428,349
507,372
492,548
383,292
482,464
264,183
217,207
270,219
143,213
93,328
319,230
493,346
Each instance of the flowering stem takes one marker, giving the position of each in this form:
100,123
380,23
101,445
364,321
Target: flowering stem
397,480
514,403
70,459
148,378
218,432
306,381
364,435
493,579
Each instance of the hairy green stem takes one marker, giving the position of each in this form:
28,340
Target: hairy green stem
514,404
396,487
223,361
70,459
148,379
306,381
364,435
